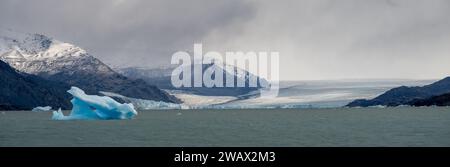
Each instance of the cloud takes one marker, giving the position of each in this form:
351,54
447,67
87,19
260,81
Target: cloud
131,32
317,39
329,39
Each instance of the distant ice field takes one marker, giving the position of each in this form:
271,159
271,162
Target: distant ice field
305,94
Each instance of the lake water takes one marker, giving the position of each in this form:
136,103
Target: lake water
402,126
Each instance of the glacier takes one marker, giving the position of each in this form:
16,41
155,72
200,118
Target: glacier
142,104
93,107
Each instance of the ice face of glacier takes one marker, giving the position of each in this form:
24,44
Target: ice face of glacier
92,107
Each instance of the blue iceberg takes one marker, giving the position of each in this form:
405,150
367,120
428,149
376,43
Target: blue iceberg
93,107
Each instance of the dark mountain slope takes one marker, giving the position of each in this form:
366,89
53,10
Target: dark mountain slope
404,95
441,100
20,91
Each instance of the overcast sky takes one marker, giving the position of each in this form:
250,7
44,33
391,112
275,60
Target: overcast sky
317,39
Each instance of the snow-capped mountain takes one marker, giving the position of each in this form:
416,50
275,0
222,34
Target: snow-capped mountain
59,61
162,78
39,54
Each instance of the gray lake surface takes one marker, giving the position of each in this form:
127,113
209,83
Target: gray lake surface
367,127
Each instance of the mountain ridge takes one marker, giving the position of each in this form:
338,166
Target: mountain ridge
54,60
162,78
405,95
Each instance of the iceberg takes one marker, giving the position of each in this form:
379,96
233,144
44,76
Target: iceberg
42,109
142,104
93,107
